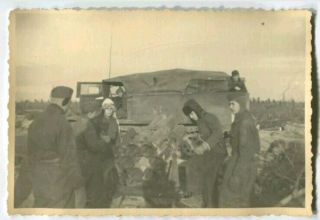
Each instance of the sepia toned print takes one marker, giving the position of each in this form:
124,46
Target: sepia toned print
160,112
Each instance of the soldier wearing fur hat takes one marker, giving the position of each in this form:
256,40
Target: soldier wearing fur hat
97,144
55,171
241,167
210,156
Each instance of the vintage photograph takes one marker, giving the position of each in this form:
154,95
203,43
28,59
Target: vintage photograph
137,112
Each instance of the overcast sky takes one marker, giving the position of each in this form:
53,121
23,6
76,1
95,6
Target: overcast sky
62,47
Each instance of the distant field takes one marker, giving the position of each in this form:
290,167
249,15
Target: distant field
270,114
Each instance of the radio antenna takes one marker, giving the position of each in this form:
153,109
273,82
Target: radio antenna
110,52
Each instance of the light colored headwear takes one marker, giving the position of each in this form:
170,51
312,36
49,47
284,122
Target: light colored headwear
107,103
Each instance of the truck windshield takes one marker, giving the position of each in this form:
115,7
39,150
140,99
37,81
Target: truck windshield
90,89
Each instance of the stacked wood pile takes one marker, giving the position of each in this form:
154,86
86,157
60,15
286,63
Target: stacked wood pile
147,158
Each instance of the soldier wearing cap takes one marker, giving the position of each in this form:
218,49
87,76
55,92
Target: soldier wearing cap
235,83
97,142
241,167
55,171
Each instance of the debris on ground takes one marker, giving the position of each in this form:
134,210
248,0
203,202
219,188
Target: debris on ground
281,168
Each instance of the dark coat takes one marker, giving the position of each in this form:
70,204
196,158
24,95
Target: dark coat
241,168
206,167
97,160
90,142
54,165
232,84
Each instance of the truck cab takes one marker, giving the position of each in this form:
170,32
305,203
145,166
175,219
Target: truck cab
91,95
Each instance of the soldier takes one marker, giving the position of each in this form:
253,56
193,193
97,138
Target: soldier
120,102
235,83
241,167
97,143
55,171
209,159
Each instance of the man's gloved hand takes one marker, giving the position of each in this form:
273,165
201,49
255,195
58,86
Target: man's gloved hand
206,146
106,138
203,147
199,150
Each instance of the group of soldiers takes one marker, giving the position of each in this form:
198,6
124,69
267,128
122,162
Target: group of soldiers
238,166
68,171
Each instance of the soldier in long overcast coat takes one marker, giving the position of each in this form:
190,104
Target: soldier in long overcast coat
96,146
208,161
241,168
55,171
